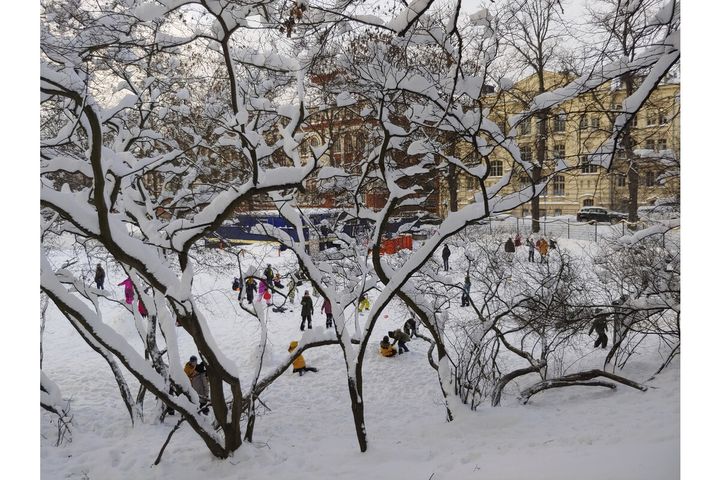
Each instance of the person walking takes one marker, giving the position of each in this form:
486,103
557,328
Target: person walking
100,277
599,326
269,275
531,249
307,310
327,310
446,257
129,290
465,301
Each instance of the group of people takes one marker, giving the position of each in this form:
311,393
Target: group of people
541,245
400,337
129,289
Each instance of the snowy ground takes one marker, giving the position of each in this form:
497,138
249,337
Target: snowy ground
566,433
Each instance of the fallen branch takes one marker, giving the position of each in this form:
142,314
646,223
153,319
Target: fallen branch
162,450
579,379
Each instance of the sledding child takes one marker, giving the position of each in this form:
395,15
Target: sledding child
364,303
299,365
387,350
401,338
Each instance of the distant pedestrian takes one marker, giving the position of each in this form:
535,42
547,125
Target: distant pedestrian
531,249
518,241
327,310
129,290
277,281
299,365
599,326
401,338
269,275
466,292
446,257
250,289
553,244
509,248
542,246
306,311
99,277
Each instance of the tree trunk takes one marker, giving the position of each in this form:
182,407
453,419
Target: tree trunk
453,187
358,409
541,154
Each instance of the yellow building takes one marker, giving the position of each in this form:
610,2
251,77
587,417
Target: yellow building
575,129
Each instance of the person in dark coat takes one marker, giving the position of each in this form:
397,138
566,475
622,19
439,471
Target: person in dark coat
466,292
100,277
250,289
307,310
410,327
327,310
446,257
518,241
269,275
401,338
599,326
509,245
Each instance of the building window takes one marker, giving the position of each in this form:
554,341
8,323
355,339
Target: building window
650,144
559,123
664,120
652,119
588,202
634,121
526,153
559,185
583,122
586,166
662,144
496,168
525,127
559,152
595,121
557,212
649,179
621,179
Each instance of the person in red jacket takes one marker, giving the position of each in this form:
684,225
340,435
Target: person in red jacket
327,310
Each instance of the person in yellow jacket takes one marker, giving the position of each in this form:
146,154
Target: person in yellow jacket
199,382
387,350
299,365
364,303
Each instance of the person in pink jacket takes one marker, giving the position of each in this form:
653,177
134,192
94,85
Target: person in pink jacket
129,290
264,291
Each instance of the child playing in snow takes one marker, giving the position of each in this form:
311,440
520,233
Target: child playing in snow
299,365
129,290
364,303
387,350
401,338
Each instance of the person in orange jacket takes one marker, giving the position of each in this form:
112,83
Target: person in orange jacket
387,350
543,247
299,365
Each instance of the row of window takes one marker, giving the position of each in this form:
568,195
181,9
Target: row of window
593,121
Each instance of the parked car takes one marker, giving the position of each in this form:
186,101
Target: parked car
599,214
